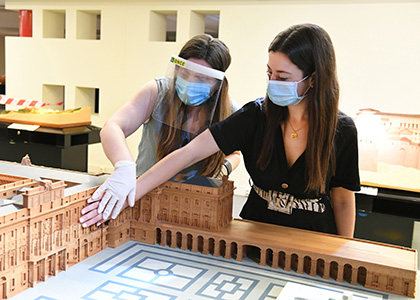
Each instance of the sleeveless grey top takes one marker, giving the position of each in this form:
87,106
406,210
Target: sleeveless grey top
146,157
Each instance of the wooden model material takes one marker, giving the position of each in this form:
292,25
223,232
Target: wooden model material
62,119
374,265
45,237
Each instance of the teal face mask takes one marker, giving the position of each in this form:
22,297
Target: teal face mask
284,93
192,93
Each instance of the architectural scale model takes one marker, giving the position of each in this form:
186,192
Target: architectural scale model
389,149
44,237
40,233
388,137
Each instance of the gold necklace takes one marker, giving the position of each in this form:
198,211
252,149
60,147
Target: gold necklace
294,134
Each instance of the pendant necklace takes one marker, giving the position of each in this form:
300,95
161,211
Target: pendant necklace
294,134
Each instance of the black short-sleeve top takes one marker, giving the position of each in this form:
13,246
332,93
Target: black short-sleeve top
278,195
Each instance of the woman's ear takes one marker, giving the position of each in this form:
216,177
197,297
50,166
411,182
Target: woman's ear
312,80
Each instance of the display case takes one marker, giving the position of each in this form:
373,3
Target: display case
65,148
387,215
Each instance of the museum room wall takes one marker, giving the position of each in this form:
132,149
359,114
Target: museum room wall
2,54
377,47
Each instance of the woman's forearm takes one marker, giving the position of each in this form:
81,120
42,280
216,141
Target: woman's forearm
114,144
201,147
344,207
234,159
126,121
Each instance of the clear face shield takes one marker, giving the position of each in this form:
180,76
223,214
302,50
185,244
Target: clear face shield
191,100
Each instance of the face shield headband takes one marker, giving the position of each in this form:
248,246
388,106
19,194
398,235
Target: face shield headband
190,97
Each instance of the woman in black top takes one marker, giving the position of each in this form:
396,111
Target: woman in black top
299,150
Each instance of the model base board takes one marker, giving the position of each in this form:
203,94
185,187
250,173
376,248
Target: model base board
41,236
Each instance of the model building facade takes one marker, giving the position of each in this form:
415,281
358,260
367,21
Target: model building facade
388,137
176,204
45,237
41,235
377,266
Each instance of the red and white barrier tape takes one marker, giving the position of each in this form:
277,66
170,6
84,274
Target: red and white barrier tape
24,102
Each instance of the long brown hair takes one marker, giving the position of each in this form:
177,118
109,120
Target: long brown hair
216,54
310,48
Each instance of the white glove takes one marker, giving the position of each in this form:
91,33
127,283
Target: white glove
121,185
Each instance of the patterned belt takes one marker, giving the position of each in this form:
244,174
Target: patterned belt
285,203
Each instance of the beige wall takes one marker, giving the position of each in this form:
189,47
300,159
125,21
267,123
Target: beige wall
377,46
9,25
2,54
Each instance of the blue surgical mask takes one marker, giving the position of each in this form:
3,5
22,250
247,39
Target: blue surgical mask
284,93
192,93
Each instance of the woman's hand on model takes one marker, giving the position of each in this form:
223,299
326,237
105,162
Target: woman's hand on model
91,216
118,188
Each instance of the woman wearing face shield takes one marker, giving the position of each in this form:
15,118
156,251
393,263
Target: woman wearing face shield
299,149
173,110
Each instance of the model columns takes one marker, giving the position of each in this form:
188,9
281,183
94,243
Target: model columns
216,248
173,239
228,251
184,242
313,267
300,265
163,238
326,274
155,205
354,275
287,262
194,244
206,246
263,257
340,273
275,263
240,254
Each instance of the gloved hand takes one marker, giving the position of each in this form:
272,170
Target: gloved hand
121,185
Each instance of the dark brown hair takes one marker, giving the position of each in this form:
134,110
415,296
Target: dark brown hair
216,54
310,48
